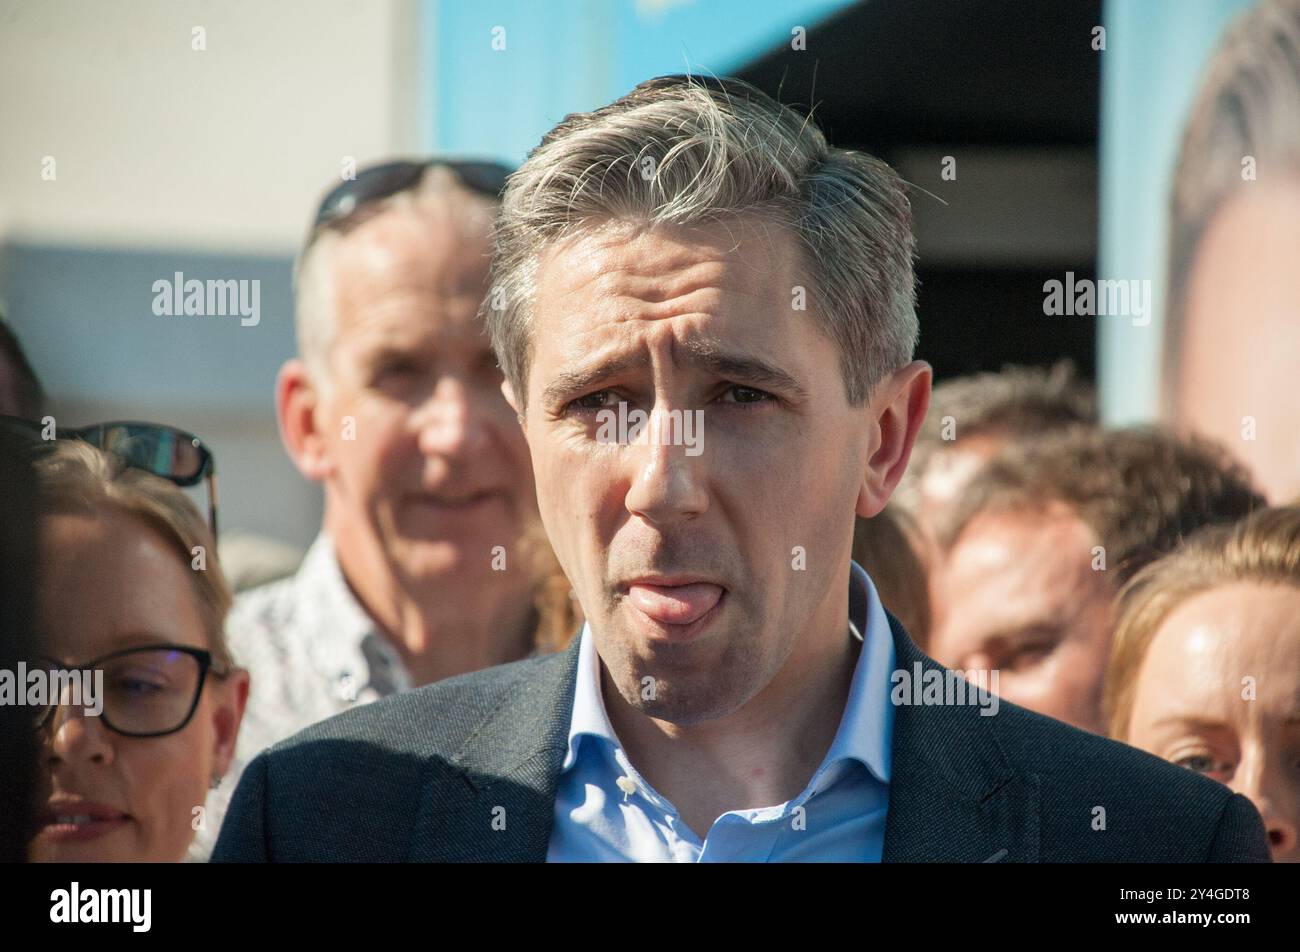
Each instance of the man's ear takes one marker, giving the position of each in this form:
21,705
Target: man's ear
898,406
296,403
508,392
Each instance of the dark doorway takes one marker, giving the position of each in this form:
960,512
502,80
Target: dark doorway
1005,96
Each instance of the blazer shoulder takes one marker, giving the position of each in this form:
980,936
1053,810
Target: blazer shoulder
436,719
350,788
1097,800
1155,811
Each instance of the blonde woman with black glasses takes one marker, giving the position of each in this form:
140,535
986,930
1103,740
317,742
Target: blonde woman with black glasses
130,606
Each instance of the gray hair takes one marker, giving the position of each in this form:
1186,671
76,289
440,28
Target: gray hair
685,151
438,195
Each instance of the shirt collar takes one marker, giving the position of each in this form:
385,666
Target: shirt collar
866,727
589,718
866,730
344,638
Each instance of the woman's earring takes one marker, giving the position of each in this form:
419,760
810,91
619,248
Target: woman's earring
216,782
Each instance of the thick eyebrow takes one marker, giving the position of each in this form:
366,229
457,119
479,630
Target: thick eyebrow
707,354
701,354
575,381
387,354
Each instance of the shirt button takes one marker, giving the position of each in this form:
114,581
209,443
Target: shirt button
627,785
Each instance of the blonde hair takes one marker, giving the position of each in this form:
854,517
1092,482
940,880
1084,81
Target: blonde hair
681,151
75,478
1262,548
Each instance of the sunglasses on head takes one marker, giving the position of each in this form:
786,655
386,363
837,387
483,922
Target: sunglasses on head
170,453
378,182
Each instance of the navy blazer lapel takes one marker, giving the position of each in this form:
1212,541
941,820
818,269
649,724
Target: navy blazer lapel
953,795
497,803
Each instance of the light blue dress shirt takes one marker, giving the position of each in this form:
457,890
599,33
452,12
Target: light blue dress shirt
839,816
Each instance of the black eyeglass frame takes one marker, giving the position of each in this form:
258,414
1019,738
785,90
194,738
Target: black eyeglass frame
206,666
95,434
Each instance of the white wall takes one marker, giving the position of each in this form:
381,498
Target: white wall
159,144
171,158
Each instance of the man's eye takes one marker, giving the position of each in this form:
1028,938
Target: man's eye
592,401
1201,763
398,369
741,394
1026,657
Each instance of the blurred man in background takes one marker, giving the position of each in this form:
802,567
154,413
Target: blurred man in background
1232,321
428,563
1041,542
973,418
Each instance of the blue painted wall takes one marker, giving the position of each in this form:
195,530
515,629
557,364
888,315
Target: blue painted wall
562,56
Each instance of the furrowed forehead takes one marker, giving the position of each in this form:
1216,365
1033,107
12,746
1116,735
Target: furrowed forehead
748,244
601,294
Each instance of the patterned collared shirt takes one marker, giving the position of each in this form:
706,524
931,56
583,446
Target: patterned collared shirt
313,651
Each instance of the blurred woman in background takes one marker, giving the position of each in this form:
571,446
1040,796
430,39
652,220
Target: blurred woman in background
1205,664
129,586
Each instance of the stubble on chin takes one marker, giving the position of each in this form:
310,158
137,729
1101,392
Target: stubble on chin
676,687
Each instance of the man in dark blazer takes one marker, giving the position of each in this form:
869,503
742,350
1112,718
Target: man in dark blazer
429,775
705,318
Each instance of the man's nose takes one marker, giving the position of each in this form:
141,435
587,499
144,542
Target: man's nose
72,735
1259,783
668,483
452,422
